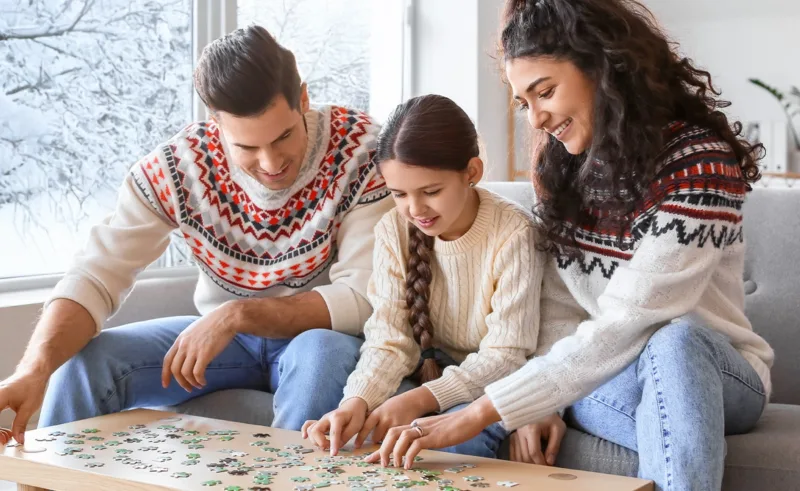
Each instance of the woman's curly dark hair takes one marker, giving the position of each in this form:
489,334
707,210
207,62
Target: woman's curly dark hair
641,86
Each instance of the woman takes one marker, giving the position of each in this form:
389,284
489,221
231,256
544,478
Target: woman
456,273
640,184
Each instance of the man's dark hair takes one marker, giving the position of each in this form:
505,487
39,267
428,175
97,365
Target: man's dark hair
243,72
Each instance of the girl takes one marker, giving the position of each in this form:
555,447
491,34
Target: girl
455,288
640,183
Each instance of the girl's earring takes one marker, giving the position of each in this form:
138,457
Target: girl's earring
471,184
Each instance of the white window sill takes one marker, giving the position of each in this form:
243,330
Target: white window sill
19,292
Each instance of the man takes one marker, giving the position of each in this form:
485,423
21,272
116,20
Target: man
277,203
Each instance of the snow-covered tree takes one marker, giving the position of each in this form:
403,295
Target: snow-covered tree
87,87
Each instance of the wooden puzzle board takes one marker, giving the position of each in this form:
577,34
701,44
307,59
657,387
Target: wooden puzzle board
152,450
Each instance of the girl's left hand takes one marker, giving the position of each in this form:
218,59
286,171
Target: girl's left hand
440,431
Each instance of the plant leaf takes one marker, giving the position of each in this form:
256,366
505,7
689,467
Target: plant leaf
775,92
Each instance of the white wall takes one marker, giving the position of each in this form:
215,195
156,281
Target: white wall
736,40
454,45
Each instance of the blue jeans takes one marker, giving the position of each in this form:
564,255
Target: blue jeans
487,443
121,369
675,404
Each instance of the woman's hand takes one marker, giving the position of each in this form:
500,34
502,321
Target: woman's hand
435,432
341,425
400,410
526,442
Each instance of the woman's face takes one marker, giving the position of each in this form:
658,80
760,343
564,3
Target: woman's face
557,97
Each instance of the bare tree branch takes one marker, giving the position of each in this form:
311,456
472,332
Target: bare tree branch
44,79
52,30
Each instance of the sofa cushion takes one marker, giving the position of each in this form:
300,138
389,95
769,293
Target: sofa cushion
239,405
772,282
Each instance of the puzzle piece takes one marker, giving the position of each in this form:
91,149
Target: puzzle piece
93,465
211,483
181,475
507,484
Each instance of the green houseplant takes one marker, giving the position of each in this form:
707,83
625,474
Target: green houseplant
790,103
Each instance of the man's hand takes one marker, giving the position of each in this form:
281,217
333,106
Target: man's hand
399,410
526,442
198,345
23,393
341,424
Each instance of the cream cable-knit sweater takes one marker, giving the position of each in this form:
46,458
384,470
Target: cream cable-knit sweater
483,302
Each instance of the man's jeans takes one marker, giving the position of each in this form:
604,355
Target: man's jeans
675,404
121,369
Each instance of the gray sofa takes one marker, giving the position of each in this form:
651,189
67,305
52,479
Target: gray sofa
767,458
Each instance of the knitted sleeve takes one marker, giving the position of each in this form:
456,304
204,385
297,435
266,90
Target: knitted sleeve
512,325
346,295
682,239
103,272
389,352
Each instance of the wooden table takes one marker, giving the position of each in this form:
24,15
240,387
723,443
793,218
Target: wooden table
160,448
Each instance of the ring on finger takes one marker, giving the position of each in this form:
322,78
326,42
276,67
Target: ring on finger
419,430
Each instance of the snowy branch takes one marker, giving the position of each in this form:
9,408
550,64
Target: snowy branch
52,30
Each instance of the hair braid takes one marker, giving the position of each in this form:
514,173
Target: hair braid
418,285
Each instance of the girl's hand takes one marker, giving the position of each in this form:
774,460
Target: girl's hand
341,424
400,410
526,442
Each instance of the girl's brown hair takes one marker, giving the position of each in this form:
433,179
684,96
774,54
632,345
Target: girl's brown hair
428,131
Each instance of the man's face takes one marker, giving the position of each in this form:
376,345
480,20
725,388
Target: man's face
269,147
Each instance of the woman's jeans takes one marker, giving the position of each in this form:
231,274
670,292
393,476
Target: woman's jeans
675,404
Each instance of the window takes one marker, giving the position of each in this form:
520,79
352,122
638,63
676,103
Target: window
349,53
87,87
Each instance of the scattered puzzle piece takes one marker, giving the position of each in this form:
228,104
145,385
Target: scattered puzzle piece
507,484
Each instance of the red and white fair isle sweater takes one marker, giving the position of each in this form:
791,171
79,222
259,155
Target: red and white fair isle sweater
247,240
684,253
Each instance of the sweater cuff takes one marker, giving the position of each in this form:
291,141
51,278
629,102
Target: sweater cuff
448,391
83,292
518,404
370,392
343,307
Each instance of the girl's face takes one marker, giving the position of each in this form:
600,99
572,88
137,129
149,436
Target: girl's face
438,202
557,97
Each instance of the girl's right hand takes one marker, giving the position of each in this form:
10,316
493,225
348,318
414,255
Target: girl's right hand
341,424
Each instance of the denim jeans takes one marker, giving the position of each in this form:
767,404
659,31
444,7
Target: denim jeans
121,369
675,404
487,443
